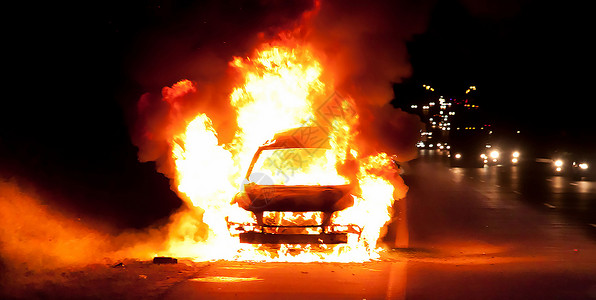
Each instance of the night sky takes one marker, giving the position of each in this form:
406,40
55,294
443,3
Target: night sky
531,65
74,82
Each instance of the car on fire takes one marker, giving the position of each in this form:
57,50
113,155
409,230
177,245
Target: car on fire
288,207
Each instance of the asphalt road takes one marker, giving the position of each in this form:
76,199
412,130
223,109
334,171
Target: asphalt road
499,232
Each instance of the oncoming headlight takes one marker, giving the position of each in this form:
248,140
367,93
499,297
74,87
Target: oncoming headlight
494,154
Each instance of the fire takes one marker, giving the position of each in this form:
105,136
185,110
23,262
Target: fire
277,95
282,88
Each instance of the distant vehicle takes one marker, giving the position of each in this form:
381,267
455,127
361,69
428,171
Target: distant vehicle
443,146
501,155
466,156
477,152
427,145
575,165
467,148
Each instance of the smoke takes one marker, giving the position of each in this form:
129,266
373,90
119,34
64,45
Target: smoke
361,45
364,48
198,46
160,117
364,44
36,237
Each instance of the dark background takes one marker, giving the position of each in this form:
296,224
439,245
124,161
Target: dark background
71,95
531,68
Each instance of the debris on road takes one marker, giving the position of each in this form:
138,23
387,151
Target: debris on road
164,260
127,279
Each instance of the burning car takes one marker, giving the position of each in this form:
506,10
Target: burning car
290,202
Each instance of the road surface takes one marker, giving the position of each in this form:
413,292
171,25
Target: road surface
498,232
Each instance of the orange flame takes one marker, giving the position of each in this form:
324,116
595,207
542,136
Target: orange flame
281,89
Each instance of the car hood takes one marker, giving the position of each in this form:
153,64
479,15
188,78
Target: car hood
297,198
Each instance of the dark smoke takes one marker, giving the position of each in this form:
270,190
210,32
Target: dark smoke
198,46
361,45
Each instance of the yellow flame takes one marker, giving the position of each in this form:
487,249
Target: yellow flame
282,89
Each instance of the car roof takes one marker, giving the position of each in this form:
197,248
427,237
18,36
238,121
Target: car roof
301,137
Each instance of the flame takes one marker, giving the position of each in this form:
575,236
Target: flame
277,95
281,89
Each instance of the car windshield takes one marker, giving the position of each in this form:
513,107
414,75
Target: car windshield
296,166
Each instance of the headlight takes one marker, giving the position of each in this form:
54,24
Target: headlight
458,155
483,156
515,154
558,163
583,166
494,154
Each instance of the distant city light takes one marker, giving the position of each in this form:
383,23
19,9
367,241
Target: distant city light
428,87
471,88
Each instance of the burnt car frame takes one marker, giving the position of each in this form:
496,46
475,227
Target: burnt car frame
267,201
